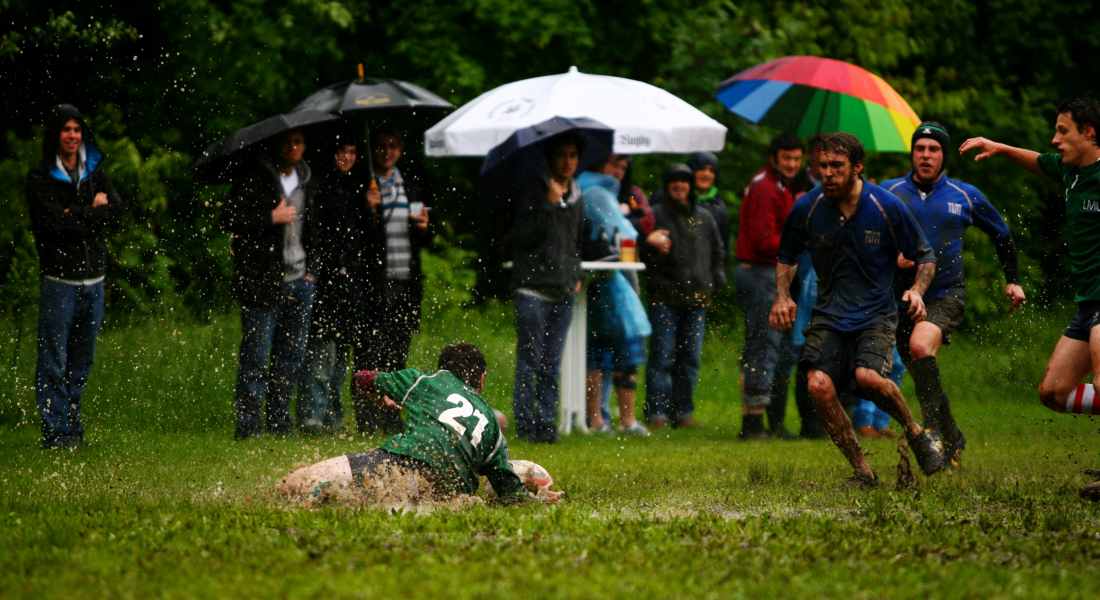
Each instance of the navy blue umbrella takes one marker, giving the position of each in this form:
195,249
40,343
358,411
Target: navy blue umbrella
523,155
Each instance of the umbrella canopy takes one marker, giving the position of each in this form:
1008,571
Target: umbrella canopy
810,94
596,137
645,118
220,159
370,94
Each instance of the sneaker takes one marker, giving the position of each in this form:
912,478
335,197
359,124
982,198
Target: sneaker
887,433
687,423
312,426
636,429
781,433
862,481
928,448
604,429
658,422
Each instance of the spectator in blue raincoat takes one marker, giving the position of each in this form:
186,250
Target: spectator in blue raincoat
617,324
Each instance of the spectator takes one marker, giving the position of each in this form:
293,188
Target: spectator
768,200
269,218
343,222
704,168
403,227
615,346
683,258
547,236
634,204
72,207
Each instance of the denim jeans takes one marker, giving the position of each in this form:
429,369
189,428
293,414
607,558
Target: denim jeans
69,318
326,365
275,335
674,351
763,345
540,339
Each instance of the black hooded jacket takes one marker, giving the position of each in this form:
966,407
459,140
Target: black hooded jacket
693,271
69,234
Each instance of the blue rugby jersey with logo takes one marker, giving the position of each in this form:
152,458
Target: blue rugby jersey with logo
855,259
944,213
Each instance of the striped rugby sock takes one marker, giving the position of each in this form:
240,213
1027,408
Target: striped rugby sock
1083,401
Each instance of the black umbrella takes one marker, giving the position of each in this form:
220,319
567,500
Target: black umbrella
221,159
522,156
378,100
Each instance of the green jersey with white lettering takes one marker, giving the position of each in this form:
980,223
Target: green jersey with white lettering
451,428
1082,195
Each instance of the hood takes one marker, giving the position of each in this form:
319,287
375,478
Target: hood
704,159
90,156
589,179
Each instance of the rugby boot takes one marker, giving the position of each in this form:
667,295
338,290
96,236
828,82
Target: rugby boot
928,448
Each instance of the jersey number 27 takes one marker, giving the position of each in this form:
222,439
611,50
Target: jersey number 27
463,410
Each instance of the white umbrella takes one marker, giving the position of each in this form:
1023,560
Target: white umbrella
645,118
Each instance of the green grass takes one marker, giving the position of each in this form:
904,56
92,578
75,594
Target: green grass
163,502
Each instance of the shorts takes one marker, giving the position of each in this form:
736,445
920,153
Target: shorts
946,313
377,461
619,356
839,353
1087,317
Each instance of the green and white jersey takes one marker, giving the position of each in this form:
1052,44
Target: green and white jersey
1082,195
451,428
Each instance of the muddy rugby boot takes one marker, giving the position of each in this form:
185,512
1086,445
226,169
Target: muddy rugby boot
928,449
862,481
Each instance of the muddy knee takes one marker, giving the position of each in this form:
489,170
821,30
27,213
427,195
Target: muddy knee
819,385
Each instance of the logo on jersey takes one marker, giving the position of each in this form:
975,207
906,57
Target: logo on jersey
1090,206
872,237
955,208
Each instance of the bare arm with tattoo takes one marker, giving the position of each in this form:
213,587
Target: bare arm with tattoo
784,308
914,295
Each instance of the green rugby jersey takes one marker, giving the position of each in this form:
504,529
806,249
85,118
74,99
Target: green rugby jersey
1082,195
450,427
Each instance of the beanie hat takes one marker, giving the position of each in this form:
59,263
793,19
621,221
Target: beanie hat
679,172
931,130
703,159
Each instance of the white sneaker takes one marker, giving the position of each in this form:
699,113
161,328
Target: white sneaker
637,429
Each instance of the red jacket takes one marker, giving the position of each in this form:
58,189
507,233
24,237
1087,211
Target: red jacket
763,211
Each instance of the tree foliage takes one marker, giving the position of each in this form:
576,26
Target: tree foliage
163,80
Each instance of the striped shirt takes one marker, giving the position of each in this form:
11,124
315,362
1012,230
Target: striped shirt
395,212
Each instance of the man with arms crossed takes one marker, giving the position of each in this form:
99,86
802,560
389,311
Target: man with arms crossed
1076,163
854,231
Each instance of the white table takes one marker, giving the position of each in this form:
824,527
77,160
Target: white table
573,360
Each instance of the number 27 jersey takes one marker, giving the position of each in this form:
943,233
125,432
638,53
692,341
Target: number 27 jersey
449,427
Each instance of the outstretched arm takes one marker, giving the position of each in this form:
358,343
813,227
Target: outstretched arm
985,147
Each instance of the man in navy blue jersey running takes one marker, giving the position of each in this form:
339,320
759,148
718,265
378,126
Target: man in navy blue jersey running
944,207
854,231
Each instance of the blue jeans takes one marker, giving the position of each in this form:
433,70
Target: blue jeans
322,378
540,338
763,345
674,351
69,318
275,335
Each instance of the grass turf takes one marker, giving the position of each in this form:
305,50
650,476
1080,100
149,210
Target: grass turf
163,502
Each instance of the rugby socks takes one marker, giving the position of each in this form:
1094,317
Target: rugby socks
934,405
1081,401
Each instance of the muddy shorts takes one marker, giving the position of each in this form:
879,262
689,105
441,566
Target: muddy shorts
839,353
945,313
378,463
1087,317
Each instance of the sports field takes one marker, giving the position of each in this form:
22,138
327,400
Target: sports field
162,502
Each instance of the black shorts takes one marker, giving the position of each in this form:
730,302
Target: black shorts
839,353
373,462
1087,317
945,313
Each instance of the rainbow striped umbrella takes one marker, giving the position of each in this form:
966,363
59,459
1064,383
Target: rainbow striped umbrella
810,94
